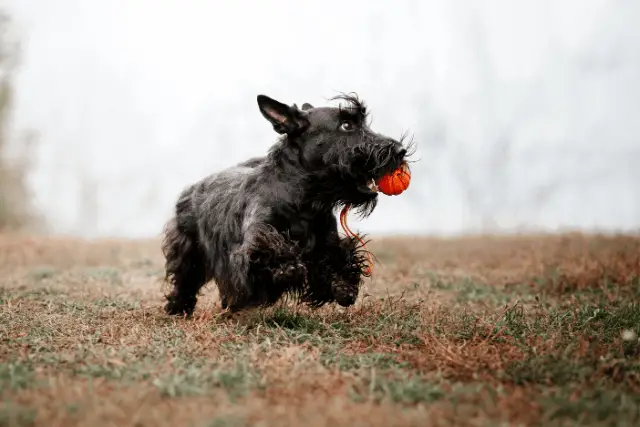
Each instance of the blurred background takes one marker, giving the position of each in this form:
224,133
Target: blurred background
526,114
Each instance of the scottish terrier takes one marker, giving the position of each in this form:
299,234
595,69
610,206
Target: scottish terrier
267,226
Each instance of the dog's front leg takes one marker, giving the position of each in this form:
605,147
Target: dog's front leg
264,267
349,264
336,266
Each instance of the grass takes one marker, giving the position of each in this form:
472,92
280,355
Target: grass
539,330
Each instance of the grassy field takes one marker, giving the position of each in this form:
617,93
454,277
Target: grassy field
476,331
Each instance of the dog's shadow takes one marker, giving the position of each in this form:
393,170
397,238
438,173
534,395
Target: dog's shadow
285,315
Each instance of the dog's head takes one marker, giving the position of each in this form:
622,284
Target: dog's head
337,148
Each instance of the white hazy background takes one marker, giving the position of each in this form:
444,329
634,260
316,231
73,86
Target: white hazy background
526,114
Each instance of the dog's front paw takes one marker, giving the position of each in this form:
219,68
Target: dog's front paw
344,293
290,274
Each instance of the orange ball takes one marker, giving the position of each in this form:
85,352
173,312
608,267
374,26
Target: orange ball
395,182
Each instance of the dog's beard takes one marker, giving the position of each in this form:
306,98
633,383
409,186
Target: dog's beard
352,173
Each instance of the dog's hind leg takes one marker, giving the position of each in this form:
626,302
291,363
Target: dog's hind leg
185,269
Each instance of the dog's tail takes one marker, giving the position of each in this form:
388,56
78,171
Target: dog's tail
175,245
179,244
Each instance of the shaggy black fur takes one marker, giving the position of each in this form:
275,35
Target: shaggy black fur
267,227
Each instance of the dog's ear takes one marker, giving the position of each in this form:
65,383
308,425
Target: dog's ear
306,106
284,119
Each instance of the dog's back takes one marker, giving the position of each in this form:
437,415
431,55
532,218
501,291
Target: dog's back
217,198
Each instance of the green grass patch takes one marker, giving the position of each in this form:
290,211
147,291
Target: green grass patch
227,421
589,407
15,376
42,273
363,361
14,415
200,380
104,274
397,387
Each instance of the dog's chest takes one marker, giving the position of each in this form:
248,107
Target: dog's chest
300,227
301,231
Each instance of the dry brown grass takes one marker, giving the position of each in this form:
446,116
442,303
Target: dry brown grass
473,331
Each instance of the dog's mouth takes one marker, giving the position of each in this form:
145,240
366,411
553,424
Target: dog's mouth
369,186
372,186
372,173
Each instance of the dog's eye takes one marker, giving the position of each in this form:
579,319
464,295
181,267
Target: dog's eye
346,126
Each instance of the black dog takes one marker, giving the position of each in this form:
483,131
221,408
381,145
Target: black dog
267,227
